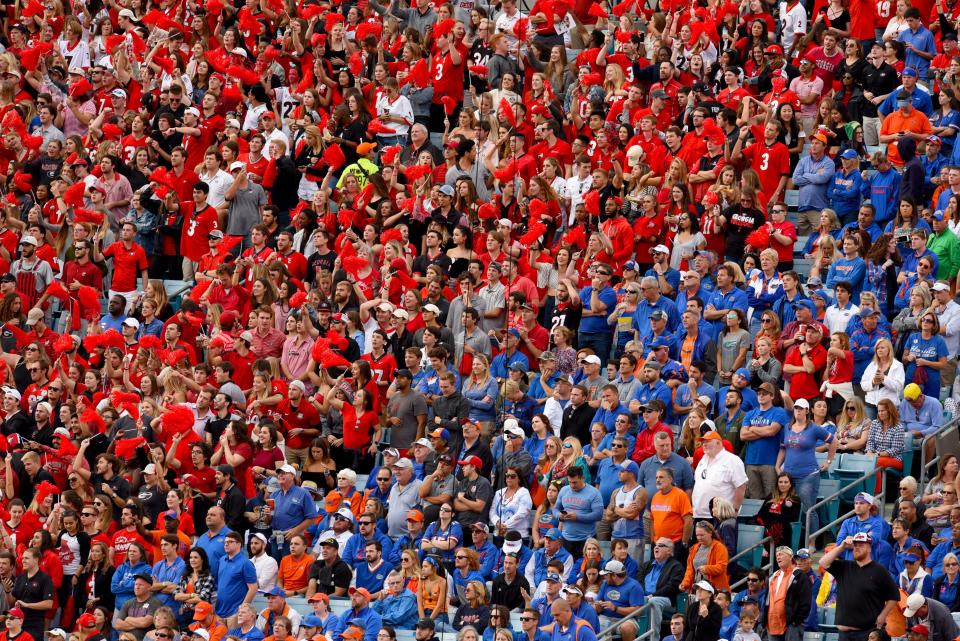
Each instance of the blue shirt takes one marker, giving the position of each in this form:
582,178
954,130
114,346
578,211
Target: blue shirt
813,176
883,190
588,506
922,40
627,594
236,573
163,572
214,548
736,298
292,508
609,417
924,420
672,276
500,366
935,560
920,98
253,634
372,579
851,270
608,477
931,349
650,581
682,472
641,317
763,451
597,324
800,448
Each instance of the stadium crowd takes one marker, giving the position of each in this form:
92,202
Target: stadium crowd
350,321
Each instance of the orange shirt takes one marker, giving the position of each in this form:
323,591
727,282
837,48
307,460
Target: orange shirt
668,511
217,631
294,574
916,122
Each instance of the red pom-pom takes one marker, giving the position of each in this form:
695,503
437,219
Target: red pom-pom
117,398
89,299
419,74
623,7
377,128
479,70
113,338
177,419
520,29
246,76
149,341
331,360
591,79
81,215
759,239
319,347
334,157
126,448
487,211
592,202
57,290
298,299
391,234
92,418
417,172
174,357
533,235
596,11
506,112
64,343
390,154
73,196
340,342
353,264
45,489
449,104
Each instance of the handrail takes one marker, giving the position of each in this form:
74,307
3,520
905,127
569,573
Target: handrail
633,615
771,559
646,606
867,475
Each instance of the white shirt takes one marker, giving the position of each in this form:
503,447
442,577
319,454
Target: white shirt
505,25
276,134
793,21
836,319
553,410
219,184
252,120
575,189
292,614
891,388
267,569
400,107
950,321
719,477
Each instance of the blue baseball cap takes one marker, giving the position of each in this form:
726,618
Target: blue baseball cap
934,139
553,576
631,265
630,467
514,332
806,302
312,621
275,591
744,372
938,215
553,533
519,366
909,72
849,154
658,342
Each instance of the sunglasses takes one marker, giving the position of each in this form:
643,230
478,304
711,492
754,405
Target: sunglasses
511,476
461,558
525,619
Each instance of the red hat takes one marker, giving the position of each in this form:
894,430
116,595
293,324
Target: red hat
16,613
87,620
774,50
473,461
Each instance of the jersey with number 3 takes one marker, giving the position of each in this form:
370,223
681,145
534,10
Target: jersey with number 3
770,163
447,77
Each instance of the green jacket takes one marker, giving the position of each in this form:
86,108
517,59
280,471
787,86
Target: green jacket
947,248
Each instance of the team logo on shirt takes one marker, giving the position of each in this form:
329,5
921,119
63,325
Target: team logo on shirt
613,595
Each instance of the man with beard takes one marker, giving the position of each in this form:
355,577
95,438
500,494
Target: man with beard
329,574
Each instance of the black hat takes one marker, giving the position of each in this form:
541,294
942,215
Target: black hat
145,577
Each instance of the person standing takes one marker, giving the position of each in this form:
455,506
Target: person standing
866,592
789,598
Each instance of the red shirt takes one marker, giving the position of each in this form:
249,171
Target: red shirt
357,430
732,97
128,263
295,262
121,543
129,145
304,416
86,274
242,368
804,384
196,226
382,369
197,146
447,77
183,184
771,163
842,369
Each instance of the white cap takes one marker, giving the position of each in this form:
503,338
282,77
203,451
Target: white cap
246,336
593,359
118,93
12,393
914,602
60,431
233,122
150,469
385,307
236,164
200,632
77,71
940,287
613,567
299,385
511,426
287,469
345,513
126,13
240,51
404,462
401,313
45,405
430,307
29,240
802,402
506,222
706,400
661,249
129,321
192,110
704,585
424,442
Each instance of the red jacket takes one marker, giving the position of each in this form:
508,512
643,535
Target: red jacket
643,448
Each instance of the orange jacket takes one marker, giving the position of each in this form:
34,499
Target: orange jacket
715,571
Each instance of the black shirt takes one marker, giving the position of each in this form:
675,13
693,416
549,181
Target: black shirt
154,500
862,593
33,589
508,594
330,577
879,81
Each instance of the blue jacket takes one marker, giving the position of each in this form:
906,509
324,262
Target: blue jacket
812,177
844,192
641,317
481,410
874,525
736,298
910,260
883,190
537,565
488,559
935,560
931,169
784,310
862,344
524,410
399,611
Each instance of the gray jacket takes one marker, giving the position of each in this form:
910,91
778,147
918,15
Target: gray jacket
939,620
410,17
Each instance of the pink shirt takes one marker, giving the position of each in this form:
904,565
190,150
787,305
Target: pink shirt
804,89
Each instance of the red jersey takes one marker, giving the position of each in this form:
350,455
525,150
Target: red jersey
128,263
258,256
121,543
183,184
382,370
786,97
824,66
196,226
129,145
197,146
560,150
732,98
771,164
447,77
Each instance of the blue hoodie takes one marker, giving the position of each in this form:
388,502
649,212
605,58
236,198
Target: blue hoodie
122,582
883,190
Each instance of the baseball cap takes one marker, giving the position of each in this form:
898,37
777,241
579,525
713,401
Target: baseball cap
482,527
425,442
934,139
909,72
868,311
215,233
631,265
802,553
863,497
801,402
912,392
131,322
275,591
744,372
233,122
430,307
712,436
473,461
12,393
312,621
16,613
287,469
415,515
404,463
613,567
553,576
914,602
29,240
440,432
920,628
319,596
510,426
446,190
236,164
192,111
660,249
202,610
937,215
773,50
364,592
593,359
553,533
849,154
630,467
940,287
659,93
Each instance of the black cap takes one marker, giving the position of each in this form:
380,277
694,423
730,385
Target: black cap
324,306
145,577
8,278
405,373
427,623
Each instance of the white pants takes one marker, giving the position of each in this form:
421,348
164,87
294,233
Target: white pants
871,131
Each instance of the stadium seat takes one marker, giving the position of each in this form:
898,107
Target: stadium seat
822,458
830,511
749,510
852,467
792,198
813,636
748,536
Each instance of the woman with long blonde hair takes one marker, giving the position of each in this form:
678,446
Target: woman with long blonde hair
571,453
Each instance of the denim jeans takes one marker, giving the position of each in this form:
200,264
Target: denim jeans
807,489
658,605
